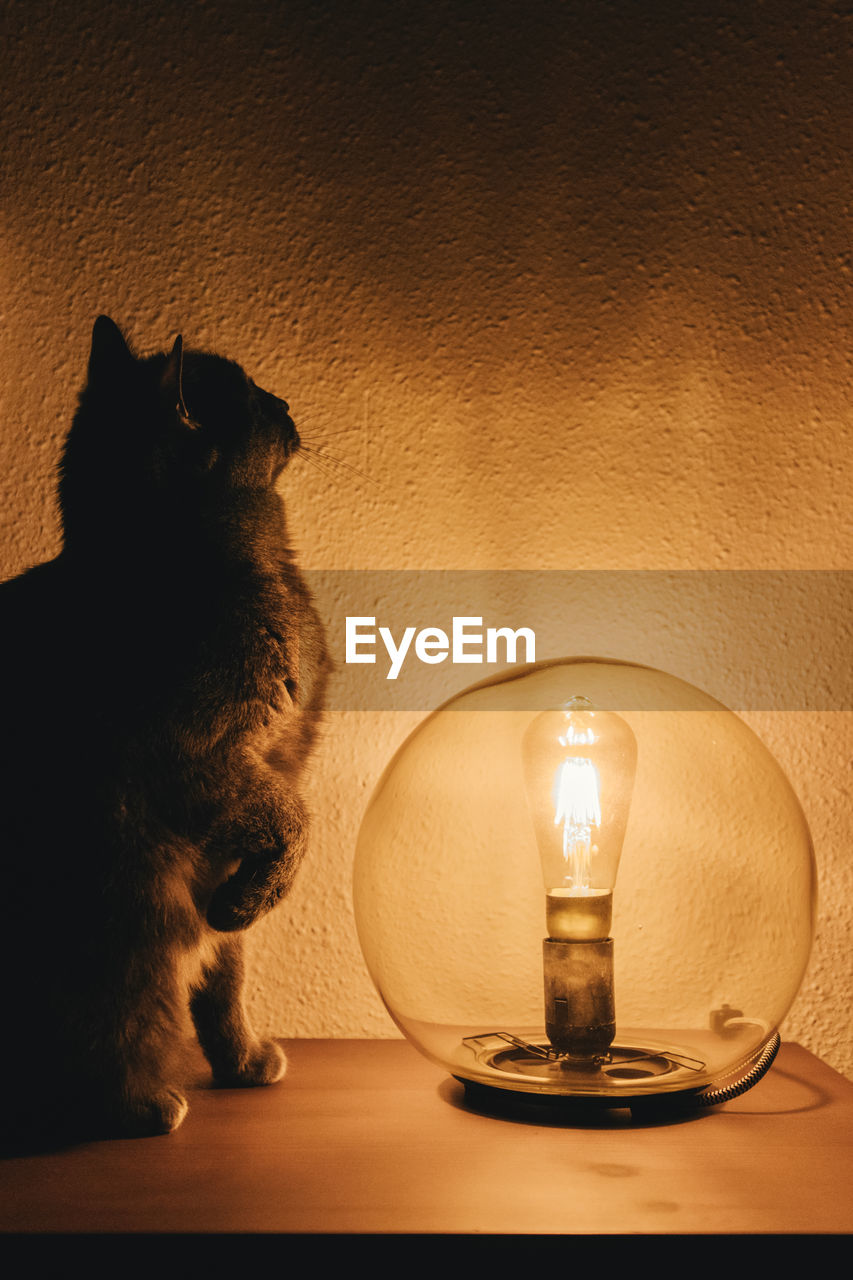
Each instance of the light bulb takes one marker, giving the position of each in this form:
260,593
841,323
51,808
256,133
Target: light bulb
579,766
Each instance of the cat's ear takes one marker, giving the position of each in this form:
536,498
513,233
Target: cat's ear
110,358
172,383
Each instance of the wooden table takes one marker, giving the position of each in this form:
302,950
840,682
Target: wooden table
368,1137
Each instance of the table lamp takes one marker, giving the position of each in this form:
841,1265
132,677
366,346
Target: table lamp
587,882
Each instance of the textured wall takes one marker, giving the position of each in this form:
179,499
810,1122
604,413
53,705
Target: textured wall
569,283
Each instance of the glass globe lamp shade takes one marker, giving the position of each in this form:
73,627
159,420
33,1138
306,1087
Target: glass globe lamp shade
586,879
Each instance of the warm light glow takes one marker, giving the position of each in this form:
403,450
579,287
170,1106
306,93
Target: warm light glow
579,767
577,804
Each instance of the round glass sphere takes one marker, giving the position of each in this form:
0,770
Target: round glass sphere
707,923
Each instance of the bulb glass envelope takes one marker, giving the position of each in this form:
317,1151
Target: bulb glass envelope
712,909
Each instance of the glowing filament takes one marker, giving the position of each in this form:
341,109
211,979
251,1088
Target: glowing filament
577,805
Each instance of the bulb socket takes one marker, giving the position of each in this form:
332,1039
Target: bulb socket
579,1003
575,916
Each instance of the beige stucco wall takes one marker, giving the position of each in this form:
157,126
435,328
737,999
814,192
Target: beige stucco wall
569,283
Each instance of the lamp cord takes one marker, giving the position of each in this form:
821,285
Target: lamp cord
711,1097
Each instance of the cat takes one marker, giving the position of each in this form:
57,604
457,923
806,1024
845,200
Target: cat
162,687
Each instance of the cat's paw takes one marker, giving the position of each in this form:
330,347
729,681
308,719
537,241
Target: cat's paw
157,1113
267,1064
264,1063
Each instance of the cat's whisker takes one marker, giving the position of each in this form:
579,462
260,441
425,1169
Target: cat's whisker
348,466
321,464
306,457
328,458
320,443
315,456
329,435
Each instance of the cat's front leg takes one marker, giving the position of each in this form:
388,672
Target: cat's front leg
236,1056
269,838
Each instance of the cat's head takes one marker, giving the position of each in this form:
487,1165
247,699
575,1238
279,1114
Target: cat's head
165,430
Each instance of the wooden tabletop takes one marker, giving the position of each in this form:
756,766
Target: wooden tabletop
369,1137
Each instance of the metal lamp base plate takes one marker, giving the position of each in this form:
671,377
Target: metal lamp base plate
626,1075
